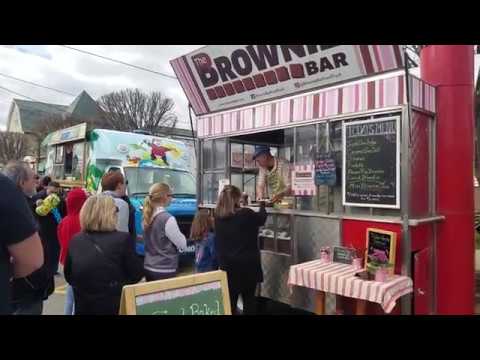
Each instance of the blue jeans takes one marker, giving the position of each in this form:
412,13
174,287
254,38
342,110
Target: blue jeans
69,302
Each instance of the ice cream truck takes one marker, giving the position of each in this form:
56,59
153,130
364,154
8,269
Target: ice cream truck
79,158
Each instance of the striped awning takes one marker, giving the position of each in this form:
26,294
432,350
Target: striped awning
353,98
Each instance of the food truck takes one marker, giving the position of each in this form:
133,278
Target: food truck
79,158
366,152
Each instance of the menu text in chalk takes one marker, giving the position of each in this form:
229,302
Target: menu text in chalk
371,163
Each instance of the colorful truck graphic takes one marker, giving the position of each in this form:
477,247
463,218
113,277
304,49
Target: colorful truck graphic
144,160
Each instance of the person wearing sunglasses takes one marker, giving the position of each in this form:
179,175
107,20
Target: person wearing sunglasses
162,236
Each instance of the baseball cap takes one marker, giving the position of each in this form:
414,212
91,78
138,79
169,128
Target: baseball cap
261,149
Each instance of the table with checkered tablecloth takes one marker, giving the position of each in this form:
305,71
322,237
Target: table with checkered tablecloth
340,279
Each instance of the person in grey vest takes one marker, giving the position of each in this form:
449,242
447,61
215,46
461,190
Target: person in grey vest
162,236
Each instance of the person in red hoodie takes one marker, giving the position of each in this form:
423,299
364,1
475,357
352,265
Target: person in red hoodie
67,229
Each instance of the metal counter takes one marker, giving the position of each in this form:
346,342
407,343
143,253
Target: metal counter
290,237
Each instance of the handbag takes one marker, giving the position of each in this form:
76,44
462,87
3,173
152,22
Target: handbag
114,284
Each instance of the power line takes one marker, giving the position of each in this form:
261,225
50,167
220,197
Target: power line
35,84
28,97
16,93
120,62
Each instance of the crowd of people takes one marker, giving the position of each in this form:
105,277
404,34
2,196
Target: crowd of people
93,237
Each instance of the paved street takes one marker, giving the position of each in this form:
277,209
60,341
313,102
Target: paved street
54,304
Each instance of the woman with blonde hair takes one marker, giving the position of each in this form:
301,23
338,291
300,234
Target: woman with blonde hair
100,260
162,236
236,233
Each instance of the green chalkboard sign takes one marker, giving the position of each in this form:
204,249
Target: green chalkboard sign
343,255
381,243
371,163
199,294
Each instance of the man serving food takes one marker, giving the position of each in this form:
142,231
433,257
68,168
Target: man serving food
274,178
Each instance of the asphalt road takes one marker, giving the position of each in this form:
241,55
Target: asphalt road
55,303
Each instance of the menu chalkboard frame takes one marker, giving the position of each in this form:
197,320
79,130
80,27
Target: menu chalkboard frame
392,246
397,165
131,292
338,249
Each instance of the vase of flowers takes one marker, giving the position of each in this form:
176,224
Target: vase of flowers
325,254
357,260
381,274
378,265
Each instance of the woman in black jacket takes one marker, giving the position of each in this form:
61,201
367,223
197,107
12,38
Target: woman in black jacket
236,231
100,260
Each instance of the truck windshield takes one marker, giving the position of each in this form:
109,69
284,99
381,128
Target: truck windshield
140,179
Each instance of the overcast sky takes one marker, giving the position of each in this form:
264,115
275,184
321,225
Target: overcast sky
64,69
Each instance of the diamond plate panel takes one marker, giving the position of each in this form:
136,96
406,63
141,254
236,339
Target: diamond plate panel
419,166
275,277
312,233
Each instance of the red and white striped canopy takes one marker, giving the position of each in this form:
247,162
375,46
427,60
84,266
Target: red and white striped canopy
353,98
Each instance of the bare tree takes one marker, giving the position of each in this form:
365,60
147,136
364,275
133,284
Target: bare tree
132,109
53,123
13,146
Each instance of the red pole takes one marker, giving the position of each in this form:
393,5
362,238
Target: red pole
450,68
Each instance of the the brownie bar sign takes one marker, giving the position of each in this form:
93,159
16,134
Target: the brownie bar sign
217,78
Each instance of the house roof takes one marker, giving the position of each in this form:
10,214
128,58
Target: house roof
83,106
33,112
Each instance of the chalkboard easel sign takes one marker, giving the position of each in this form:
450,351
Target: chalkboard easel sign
343,255
381,241
198,294
371,163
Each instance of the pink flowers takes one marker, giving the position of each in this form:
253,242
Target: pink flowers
379,257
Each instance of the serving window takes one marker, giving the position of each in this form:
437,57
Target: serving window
213,165
299,146
67,160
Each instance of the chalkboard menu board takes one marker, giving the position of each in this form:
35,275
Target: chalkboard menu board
343,255
371,163
381,243
199,294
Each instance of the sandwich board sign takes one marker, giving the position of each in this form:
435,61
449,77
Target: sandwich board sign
198,294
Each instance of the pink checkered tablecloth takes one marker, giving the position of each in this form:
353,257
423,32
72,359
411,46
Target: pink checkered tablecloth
340,279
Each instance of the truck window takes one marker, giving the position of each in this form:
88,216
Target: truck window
141,179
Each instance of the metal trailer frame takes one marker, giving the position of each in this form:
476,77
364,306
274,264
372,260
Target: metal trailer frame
303,250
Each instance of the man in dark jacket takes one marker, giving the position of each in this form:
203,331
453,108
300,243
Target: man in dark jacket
28,293
43,183
19,241
48,226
